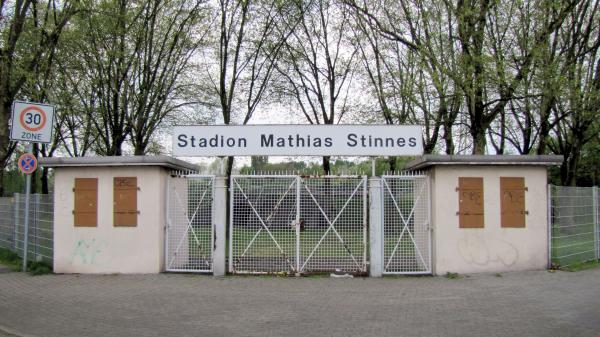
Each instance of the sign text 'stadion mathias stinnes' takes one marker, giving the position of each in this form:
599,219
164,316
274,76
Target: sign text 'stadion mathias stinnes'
297,140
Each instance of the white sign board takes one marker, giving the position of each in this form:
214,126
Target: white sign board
297,140
32,122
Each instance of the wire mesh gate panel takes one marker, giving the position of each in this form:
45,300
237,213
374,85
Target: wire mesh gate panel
189,231
406,224
575,229
263,219
297,225
333,219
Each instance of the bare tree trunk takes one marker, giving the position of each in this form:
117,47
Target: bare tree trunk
5,148
449,142
326,165
2,183
478,134
392,163
44,178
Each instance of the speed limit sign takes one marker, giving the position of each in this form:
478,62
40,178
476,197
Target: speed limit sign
32,122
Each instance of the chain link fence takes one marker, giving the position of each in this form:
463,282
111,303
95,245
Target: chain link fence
12,219
574,232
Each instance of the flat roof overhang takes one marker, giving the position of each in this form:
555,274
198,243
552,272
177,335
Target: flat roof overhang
430,160
118,161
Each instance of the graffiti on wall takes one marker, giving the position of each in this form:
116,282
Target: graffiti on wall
88,251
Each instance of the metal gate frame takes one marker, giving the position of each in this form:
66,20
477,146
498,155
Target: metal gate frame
298,263
180,217
424,263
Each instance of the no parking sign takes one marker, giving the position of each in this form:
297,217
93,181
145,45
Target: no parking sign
27,163
32,122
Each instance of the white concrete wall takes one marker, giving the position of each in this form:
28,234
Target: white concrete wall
492,248
105,248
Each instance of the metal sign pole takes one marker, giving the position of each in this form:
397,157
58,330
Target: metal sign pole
373,164
26,222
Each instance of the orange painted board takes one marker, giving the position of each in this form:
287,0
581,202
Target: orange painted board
125,201
85,213
470,202
512,202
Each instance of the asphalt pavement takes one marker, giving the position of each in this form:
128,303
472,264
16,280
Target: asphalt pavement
538,303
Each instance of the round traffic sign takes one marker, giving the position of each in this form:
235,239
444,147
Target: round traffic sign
27,163
33,118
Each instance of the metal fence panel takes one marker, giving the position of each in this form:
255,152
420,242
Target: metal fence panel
41,222
189,235
597,221
406,224
7,223
574,224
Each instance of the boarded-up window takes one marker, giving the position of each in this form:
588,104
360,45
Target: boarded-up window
512,203
470,202
85,192
125,210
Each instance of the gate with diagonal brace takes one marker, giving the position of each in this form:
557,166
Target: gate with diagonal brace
189,232
406,224
295,224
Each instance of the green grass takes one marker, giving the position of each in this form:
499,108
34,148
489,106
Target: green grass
452,276
10,259
406,248
39,268
573,245
264,245
582,266
15,263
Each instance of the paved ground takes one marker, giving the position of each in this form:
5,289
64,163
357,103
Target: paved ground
515,304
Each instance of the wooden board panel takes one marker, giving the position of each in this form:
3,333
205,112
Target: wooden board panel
512,202
85,212
470,202
125,201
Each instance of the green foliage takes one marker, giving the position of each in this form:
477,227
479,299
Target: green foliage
452,276
13,181
582,266
338,166
588,172
39,268
10,259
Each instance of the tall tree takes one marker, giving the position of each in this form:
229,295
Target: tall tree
247,45
127,65
398,73
170,34
318,63
576,108
473,75
30,31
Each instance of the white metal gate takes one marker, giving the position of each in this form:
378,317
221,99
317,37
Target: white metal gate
189,231
406,224
294,224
